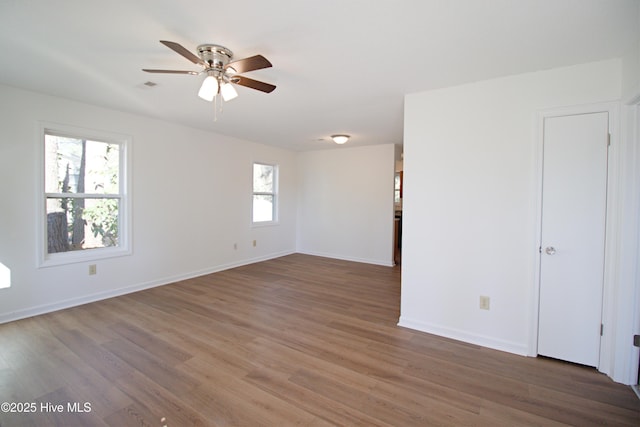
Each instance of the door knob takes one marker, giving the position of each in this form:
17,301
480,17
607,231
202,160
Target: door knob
550,250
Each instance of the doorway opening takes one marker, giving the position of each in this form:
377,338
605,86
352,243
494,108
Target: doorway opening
397,205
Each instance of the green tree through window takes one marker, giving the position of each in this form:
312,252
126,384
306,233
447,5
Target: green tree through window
82,192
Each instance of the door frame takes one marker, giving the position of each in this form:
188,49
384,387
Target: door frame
607,350
631,122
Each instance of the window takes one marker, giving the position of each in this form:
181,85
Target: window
5,276
264,193
84,198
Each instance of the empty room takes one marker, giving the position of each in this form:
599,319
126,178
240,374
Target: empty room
335,213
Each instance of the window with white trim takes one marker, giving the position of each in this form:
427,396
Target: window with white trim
264,206
84,198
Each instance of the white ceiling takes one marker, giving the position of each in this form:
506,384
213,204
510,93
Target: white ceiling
341,66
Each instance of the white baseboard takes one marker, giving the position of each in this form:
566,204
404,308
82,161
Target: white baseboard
465,336
73,302
349,258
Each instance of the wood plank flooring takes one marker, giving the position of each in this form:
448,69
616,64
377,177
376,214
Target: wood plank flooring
297,340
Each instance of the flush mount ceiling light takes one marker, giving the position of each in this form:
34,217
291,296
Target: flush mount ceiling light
221,73
340,139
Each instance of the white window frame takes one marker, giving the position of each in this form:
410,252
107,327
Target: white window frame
44,259
274,194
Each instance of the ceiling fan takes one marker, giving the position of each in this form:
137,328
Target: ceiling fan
221,73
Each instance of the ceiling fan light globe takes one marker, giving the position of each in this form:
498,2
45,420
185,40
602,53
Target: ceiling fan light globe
340,139
228,91
209,88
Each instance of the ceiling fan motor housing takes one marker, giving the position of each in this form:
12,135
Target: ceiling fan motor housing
215,56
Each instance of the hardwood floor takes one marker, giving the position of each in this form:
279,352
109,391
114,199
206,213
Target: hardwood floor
297,340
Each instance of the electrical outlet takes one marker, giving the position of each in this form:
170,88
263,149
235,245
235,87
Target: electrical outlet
255,243
93,270
485,302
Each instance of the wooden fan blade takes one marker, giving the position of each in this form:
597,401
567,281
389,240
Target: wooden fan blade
253,84
193,73
183,51
256,62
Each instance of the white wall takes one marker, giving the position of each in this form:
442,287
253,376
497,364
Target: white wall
470,200
631,71
191,203
345,201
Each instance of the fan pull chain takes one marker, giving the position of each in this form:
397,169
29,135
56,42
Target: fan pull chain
216,100
217,107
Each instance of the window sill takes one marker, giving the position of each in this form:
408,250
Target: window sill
73,257
264,224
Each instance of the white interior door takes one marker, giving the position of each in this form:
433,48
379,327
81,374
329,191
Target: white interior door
574,198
